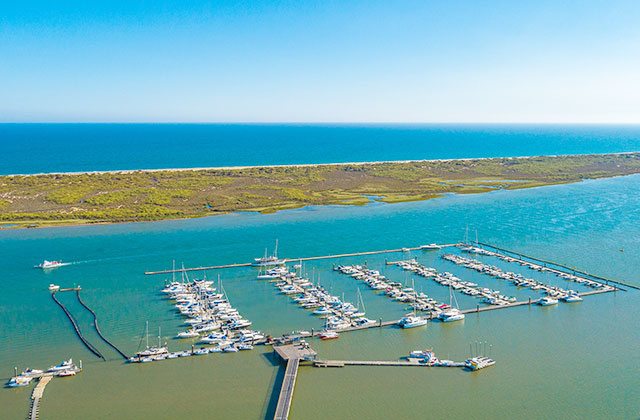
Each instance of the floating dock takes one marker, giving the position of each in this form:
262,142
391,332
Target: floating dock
405,363
36,396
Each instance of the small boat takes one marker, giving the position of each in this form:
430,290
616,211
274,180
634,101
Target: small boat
547,301
245,347
173,355
451,315
572,298
269,261
328,335
54,287
187,334
477,363
146,359
230,349
47,265
31,372
68,372
201,351
18,381
430,247
412,322
64,365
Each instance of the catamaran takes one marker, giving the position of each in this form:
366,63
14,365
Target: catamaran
452,313
268,261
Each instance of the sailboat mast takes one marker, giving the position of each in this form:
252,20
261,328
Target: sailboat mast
173,271
147,329
159,335
275,252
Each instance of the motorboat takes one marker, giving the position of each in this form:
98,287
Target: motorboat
201,351
430,247
477,363
66,372
451,315
230,349
572,298
47,265
18,381
31,372
547,301
412,322
54,287
187,334
64,365
328,335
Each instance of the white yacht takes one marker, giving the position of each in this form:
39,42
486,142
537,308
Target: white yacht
187,334
47,265
412,322
54,287
430,247
451,315
18,381
269,261
572,298
477,363
64,365
547,301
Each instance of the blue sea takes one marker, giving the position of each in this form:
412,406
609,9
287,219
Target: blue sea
37,148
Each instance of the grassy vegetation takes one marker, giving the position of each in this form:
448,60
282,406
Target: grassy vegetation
154,195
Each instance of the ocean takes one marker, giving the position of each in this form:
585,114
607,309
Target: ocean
570,361
37,148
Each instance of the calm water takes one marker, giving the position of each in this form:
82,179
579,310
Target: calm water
570,361
35,148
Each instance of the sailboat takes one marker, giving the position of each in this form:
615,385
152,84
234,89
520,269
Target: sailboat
412,320
268,261
152,352
451,314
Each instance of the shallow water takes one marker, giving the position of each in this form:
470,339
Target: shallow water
570,361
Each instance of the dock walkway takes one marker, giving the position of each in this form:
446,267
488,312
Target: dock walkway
342,363
36,396
292,354
321,257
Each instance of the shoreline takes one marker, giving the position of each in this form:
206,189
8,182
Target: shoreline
311,165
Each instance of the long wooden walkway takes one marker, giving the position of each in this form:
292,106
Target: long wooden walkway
286,391
405,363
36,396
321,257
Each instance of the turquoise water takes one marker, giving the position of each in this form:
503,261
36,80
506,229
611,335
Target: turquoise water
569,361
35,148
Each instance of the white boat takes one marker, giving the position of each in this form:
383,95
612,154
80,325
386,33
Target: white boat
572,298
47,265
187,334
412,322
452,313
201,351
18,381
547,301
245,347
54,287
328,335
150,352
66,372
230,349
269,261
64,365
31,372
430,247
477,363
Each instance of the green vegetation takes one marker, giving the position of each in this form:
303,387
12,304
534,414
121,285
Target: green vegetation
57,199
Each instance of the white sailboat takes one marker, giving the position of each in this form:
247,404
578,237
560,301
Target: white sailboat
453,313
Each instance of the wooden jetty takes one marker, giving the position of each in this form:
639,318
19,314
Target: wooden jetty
292,354
287,260
36,396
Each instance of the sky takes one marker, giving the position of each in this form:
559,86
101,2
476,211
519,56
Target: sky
320,61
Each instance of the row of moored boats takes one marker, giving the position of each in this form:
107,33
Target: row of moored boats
65,368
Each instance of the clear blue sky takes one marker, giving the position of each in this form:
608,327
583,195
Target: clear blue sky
314,61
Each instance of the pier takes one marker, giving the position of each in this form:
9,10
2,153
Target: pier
36,396
88,345
288,260
292,355
409,362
